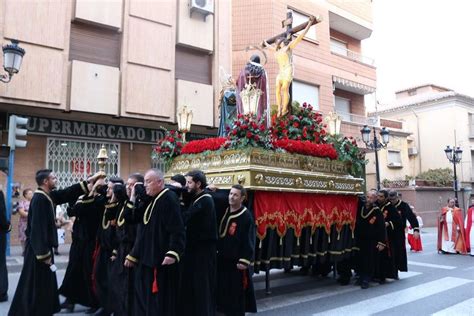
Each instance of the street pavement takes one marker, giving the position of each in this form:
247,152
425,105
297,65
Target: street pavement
435,284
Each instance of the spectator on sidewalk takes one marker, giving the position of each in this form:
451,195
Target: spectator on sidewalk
22,210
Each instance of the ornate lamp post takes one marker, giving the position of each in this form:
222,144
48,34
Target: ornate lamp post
454,156
333,121
12,58
102,158
184,117
376,145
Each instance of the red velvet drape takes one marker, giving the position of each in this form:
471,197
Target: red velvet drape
282,210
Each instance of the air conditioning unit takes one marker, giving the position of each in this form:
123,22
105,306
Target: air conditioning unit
412,151
204,7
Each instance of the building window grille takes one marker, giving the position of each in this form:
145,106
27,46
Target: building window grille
74,160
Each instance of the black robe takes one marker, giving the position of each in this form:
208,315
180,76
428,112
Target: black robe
397,255
236,244
4,229
369,232
77,285
37,290
106,243
198,279
121,277
161,234
407,214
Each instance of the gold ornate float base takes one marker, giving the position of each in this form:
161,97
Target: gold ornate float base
259,169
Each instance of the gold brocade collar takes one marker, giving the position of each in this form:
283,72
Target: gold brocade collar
149,209
231,216
206,194
40,191
120,218
368,214
384,206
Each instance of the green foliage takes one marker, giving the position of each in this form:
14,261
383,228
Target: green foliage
350,153
440,177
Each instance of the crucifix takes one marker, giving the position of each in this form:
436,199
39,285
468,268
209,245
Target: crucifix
283,45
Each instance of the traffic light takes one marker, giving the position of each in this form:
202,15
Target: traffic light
15,130
4,156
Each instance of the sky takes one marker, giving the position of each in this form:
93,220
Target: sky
422,41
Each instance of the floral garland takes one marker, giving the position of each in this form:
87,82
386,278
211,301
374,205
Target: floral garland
307,148
202,145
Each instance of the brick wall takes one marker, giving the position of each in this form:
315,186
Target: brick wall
254,21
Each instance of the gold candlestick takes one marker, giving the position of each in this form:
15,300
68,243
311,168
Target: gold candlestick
102,158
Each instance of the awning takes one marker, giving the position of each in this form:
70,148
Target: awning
352,86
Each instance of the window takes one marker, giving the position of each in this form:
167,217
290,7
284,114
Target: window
94,44
343,108
299,18
338,47
394,158
471,125
303,92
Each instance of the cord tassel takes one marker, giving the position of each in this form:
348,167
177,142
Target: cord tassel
154,288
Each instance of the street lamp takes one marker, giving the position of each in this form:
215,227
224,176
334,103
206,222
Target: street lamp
184,117
376,145
12,58
454,156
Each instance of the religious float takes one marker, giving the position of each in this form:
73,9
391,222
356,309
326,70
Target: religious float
303,177
303,182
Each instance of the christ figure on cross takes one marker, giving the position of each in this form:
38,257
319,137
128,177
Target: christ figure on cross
283,48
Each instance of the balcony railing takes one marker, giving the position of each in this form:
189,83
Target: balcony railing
358,119
352,55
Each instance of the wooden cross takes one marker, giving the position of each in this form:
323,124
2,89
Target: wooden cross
290,30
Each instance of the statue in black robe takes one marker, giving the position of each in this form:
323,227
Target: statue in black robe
37,290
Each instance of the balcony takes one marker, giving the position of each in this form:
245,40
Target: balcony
348,23
358,119
340,51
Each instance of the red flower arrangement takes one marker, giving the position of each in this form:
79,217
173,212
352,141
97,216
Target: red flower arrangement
169,146
306,148
305,124
248,131
201,145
